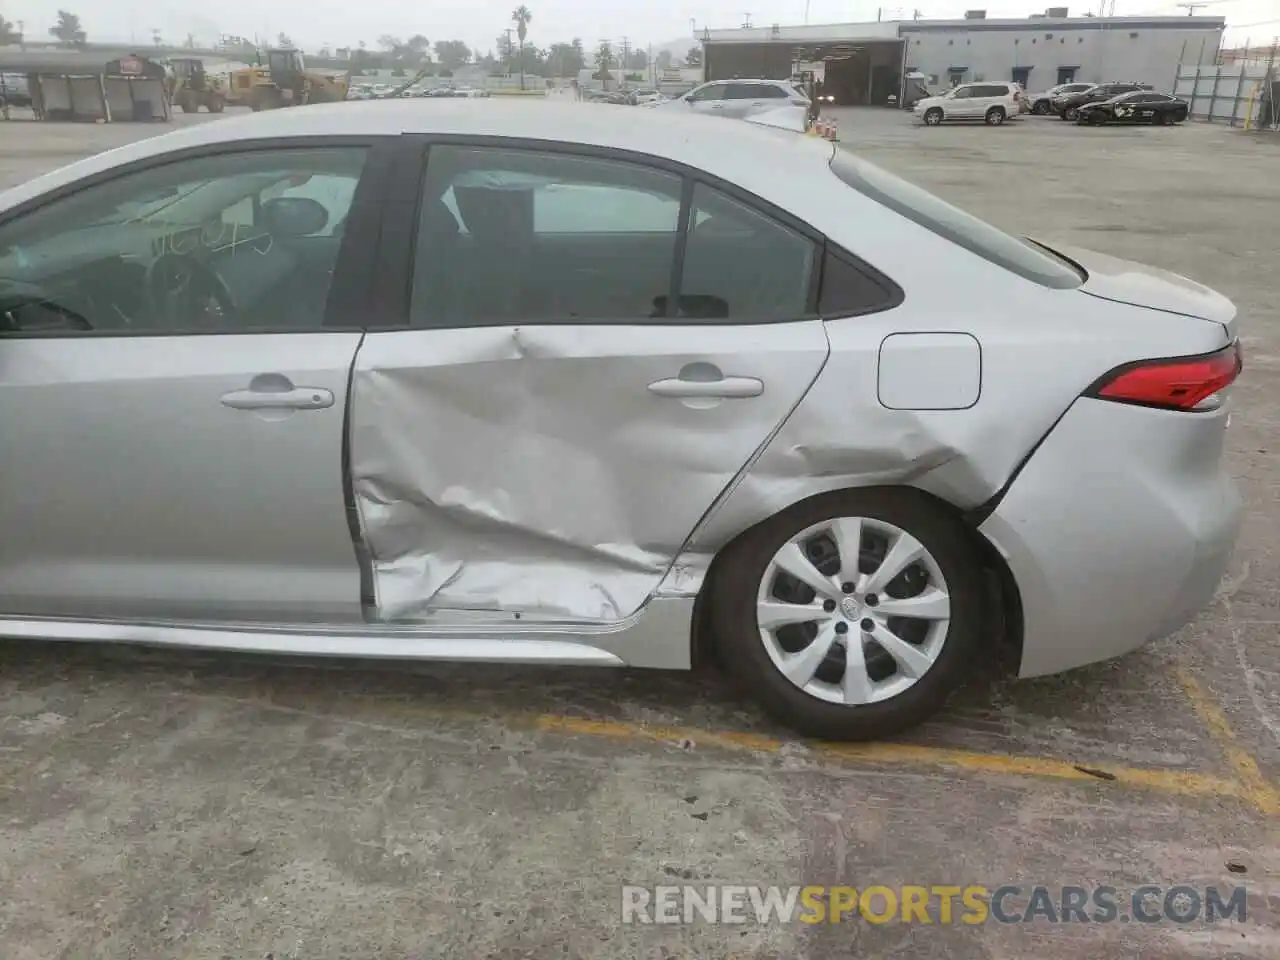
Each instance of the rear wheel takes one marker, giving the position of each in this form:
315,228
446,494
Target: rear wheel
852,615
188,102
1041,108
1071,113
216,103
933,116
995,116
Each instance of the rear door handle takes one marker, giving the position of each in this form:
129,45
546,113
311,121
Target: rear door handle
298,398
724,388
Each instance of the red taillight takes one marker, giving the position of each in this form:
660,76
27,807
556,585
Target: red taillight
1178,384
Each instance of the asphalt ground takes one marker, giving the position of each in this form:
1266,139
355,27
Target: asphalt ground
169,804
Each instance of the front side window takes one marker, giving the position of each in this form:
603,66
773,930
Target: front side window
963,229
217,244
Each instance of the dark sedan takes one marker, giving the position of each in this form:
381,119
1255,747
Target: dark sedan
1140,107
1068,106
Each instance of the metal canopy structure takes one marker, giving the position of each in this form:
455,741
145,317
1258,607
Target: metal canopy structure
60,63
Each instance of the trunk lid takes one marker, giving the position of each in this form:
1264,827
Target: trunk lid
1125,281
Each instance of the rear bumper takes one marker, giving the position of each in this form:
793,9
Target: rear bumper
1117,531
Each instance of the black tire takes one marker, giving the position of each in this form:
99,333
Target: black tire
216,104
266,100
188,103
933,116
1070,113
741,650
995,117
1041,108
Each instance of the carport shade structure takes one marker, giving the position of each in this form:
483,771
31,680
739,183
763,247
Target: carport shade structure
858,72
80,80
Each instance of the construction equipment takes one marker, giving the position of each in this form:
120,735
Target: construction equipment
285,81
194,88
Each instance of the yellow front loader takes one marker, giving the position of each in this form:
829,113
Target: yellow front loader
285,81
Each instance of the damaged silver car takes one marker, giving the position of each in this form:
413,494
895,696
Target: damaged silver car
504,382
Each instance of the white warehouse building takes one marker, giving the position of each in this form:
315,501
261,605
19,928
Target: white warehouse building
866,63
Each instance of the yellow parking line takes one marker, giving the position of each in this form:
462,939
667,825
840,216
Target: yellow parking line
1253,783
1175,782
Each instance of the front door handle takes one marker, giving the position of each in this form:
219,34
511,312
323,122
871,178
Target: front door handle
729,388
289,398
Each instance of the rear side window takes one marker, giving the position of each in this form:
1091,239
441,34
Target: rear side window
965,230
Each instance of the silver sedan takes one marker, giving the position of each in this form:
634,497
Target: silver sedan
530,383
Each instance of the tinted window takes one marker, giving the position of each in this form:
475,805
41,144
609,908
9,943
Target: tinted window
849,288
741,264
952,223
512,236
210,245
713,91
1152,97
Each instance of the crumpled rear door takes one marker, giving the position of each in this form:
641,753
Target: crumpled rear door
556,471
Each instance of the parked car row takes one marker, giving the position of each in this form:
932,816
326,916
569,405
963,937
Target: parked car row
635,97
384,91
1084,103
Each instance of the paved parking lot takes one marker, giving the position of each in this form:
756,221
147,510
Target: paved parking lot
160,804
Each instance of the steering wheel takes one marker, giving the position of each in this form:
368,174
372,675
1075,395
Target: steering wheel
184,292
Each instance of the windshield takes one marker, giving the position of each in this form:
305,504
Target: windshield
1032,262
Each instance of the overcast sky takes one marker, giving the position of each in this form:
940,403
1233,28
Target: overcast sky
478,22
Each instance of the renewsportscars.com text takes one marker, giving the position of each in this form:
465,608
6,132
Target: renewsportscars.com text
937,904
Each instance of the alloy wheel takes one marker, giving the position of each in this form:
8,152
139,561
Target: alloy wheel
853,610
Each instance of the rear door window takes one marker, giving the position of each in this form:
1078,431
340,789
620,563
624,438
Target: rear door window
524,236
740,264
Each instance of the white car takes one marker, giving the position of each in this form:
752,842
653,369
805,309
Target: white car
778,102
993,103
646,97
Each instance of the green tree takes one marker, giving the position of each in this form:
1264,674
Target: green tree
8,34
452,54
605,62
565,60
68,30
521,16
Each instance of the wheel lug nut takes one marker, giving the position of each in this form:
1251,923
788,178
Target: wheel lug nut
867,625
829,606
871,600
842,627
847,587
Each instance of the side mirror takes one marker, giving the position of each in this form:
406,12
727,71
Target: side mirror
292,217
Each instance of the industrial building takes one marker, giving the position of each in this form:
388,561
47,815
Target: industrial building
866,63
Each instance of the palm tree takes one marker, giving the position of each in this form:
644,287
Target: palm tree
521,16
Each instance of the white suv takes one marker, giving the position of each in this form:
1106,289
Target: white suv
783,102
993,102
